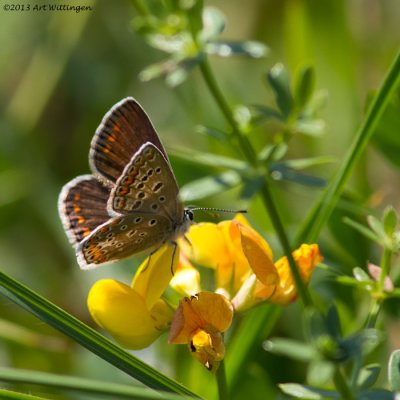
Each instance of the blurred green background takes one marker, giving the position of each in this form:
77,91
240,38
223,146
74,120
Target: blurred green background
60,72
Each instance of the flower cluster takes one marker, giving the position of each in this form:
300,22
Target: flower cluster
245,275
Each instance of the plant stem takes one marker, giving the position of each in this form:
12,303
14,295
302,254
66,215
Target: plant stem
385,267
373,313
221,382
342,385
251,157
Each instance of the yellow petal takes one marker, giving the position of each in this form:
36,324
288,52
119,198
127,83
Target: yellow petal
154,275
208,246
208,348
258,254
123,313
306,258
206,310
186,280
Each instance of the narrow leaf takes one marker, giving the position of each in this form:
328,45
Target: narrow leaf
209,159
307,392
7,394
86,336
303,85
290,348
368,376
101,388
362,229
389,221
394,371
278,78
209,186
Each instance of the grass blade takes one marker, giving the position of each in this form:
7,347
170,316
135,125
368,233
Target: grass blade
87,337
116,391
321,212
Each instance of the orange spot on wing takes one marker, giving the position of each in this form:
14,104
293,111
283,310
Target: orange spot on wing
81,220
86,232
77,197
104,229
76,209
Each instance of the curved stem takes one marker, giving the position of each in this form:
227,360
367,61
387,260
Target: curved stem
251,157
221,382
342,386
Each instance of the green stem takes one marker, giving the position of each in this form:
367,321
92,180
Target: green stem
221,382
277,223
321,212
385,267
373,313
251,157
342,385
141,8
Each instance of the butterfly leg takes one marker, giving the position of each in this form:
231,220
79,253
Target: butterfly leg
149,258
173,257
187,240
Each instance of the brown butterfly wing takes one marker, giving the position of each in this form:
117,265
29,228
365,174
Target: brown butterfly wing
121,133
147,185
123,236
82,206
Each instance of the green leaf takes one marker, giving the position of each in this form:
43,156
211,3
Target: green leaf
376,225
225,49
389,221
209,186
394,371
361,275
278,78
213,24
312,127
86,336
290,348
77,384
242,116
303,163
378,394
363,230
214,133
262,113
320,372
279,171
209,159
303,86
273,152
368,376
7,394
252,187
361,343
307,392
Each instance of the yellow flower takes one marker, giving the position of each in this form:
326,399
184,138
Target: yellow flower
135,315
218,246
199,322
236,251
186,280
306,258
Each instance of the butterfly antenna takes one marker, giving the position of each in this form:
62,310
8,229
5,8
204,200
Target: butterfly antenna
208,209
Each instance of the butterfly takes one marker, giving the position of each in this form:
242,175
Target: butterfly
130,204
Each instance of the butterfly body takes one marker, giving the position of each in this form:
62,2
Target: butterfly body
131,203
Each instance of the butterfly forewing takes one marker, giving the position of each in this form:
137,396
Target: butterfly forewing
147,185
123,236
82,206
123,130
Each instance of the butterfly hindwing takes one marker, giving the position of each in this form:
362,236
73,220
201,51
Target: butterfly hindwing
123,236
147,185
82,206
123,130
